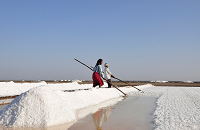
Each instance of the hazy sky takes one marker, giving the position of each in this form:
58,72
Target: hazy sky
141,40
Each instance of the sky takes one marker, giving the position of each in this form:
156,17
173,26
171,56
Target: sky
139,39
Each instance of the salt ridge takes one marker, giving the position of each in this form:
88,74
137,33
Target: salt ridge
11,88
47,106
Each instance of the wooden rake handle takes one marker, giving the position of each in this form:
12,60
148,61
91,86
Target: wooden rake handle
102,77
128,84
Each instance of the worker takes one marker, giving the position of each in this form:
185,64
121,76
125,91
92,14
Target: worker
97,74
108,75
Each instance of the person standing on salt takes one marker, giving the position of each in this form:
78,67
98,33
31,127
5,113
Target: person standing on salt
97,74
108,75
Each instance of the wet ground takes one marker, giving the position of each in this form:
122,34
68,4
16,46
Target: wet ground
118,114
131,113
2,107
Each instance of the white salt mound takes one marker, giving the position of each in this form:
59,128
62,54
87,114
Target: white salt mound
38,107
49,105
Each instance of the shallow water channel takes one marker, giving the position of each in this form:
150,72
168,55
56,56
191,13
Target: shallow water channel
2,107
118,114
131,113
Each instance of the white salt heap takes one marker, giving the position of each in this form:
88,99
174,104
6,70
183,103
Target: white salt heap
38,107
48,105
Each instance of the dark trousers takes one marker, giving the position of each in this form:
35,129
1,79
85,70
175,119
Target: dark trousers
109,81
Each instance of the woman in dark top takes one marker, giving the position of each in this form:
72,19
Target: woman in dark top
97,74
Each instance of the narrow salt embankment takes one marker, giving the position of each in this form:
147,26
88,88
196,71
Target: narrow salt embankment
42,107
178,108
5,101
85,98
11,88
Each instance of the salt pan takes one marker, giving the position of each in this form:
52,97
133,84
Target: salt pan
49,105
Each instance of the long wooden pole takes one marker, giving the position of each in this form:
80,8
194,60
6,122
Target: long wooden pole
102,77
128,84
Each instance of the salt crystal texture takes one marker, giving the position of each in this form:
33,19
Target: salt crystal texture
49,105
38,107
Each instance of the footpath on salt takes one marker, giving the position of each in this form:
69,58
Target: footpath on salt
11,88
177,107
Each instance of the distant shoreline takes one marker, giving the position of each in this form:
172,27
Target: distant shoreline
120,84
136,83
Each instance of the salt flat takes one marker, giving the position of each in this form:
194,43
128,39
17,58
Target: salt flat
176,107
40,106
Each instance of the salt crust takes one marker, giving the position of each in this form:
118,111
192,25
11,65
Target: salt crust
11,88
48,105
36,107
178,108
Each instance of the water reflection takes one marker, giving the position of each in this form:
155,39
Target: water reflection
94,110
107,112
131,113
98,117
